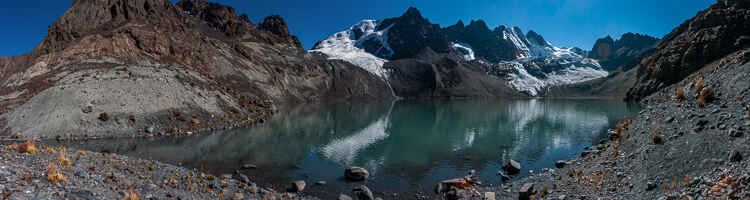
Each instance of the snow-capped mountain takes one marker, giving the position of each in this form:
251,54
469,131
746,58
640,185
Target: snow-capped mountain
539,64
527,62
349,45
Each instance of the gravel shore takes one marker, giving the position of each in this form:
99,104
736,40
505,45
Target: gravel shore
58,173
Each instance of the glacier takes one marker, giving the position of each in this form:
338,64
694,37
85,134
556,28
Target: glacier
465,50
345,45
575,68
537,65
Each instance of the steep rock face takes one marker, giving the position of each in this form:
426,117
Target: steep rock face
713,33
486,43
526,62
225,20
205,61
434,75
411,33
624,53
603,48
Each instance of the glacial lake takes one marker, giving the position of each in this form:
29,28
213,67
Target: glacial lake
407,146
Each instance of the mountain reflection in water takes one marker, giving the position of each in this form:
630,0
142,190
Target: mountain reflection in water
406,145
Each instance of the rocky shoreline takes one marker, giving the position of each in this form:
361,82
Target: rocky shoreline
686,144
38,172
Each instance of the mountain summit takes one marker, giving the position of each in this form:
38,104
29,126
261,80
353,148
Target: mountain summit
525,62
146,60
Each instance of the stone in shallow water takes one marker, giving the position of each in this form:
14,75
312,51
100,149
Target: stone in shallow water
249,166
226,176
560,164
512,167
344,197
298,186
356,173
489,196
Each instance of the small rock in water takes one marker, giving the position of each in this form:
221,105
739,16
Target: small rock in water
321,183
560,164
226,176
150,129
298,186
526,191
363,193
735,156
650,186
503,176
356,173
249,166
244,179
344,197
489,196
512,167
735,133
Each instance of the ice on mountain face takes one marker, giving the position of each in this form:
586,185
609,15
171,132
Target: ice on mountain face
465,50
518,40
569,67
347,45
521,80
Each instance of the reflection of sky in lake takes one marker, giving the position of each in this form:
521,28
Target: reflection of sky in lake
406,146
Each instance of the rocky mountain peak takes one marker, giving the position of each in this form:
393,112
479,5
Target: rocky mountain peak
536,39
603,48
713,33
410,33
624,53
478,25
85,16
635,40
276,25
221,17
460,23
412,12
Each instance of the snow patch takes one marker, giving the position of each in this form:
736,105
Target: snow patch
345,46
465,50
575,68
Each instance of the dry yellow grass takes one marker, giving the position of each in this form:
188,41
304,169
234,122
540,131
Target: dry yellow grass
656,138
13,146
27,147
62,160
680,95
131,195
701,102
699,84
52,174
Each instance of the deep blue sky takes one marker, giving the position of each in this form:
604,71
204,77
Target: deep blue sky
562,22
